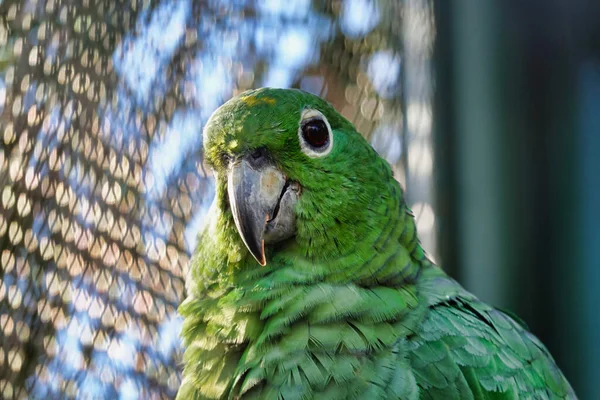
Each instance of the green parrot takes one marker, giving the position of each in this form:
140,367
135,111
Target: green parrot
309,280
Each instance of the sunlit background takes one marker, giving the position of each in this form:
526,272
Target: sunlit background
489,113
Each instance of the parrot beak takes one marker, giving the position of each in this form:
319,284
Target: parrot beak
261,201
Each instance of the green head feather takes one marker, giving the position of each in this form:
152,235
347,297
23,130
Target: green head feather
346,195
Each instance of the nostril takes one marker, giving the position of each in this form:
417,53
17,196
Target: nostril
258,153
226,158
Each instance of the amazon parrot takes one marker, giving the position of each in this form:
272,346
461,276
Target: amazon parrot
309,281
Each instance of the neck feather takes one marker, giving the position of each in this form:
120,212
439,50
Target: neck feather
256,330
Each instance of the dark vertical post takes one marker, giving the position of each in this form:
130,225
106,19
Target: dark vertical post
517,145
578,330
470,139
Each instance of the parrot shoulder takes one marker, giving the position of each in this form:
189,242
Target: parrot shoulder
465,349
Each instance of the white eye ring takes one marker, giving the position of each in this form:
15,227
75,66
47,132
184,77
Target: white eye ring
307,148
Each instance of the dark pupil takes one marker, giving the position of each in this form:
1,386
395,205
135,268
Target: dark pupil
315,133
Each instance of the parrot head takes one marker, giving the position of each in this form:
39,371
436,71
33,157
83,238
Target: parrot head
290,168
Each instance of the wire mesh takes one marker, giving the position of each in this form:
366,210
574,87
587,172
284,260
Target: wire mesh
102,183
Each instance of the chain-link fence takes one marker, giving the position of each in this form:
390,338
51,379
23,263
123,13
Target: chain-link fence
103,188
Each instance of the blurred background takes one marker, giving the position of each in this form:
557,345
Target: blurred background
488,111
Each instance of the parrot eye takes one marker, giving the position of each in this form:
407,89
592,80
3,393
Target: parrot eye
315,134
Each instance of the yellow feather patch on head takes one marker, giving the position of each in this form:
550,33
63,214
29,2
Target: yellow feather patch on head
252,100
233,145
